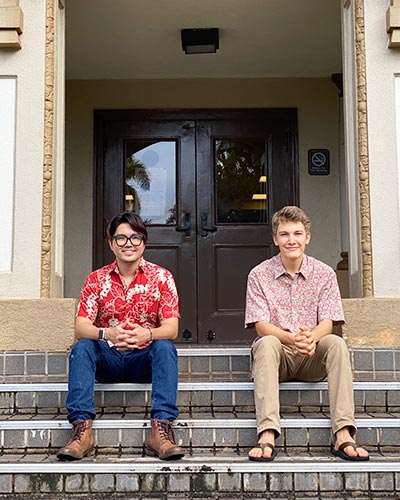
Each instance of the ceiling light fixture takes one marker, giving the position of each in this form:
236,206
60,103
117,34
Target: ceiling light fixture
200,40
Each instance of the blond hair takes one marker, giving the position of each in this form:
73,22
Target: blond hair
290,214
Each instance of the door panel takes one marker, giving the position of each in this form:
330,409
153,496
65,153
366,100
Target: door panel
150,166
206,183
240,169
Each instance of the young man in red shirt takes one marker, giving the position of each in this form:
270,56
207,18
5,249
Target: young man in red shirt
127,317
293,301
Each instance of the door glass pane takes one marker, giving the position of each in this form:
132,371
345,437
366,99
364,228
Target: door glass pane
150,180
240,181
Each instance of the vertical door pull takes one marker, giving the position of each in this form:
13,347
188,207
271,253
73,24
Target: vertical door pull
187,224
204,228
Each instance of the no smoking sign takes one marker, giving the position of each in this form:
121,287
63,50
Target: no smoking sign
318,162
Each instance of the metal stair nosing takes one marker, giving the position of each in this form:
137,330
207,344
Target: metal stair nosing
197,386
209,423
207,465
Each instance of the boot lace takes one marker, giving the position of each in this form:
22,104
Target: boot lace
78,430
165,430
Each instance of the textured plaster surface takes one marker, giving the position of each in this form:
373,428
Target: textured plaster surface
372,322
48,324
37,324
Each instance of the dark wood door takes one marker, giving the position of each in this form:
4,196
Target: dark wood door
207,184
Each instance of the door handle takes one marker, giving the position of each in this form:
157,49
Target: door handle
187,224
204,228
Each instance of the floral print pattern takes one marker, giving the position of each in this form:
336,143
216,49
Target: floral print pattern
150,298
290,302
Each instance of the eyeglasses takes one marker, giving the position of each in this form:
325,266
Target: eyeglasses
121,240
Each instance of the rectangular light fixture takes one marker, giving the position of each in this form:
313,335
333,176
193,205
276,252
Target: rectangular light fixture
200,40
259,197
263,178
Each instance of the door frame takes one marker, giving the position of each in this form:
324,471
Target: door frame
103,117
110,124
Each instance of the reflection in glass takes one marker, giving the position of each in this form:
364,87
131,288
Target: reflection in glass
150,180
240,181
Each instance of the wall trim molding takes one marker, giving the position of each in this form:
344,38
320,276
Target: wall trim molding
363,159
11,25
48,158
393,24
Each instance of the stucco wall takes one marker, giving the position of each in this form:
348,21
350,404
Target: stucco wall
43,324
369,323
318,114
27,66
382,64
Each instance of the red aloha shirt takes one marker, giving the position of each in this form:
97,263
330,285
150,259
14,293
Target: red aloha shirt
150,298
311,296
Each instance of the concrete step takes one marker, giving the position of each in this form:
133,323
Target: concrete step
223,475
216,426
225,394
222,431
367,363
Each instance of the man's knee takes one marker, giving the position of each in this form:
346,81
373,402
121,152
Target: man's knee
334,342
84,346
163,346
266,346
335,348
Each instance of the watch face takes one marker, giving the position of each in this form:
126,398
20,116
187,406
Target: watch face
101,334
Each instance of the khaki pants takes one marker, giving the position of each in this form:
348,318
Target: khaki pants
274,362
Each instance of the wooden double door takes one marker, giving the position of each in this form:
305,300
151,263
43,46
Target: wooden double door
206,183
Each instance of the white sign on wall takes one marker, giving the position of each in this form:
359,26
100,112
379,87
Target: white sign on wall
397,91
8,88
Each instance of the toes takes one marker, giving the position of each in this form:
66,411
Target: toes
350,451
259,453
362,452
267,452
255,453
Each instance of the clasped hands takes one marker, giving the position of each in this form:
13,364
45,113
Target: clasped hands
305,342
128,335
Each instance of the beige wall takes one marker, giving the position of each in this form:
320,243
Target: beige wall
369,323
39,320
27,65
382,64
318,117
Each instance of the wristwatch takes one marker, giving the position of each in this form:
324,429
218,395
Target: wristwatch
102,334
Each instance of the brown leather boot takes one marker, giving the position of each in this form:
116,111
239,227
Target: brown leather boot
161,442
81,442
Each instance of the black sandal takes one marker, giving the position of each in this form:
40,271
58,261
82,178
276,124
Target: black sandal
262,447
344,456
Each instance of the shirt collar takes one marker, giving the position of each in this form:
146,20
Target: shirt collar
142,266
279,270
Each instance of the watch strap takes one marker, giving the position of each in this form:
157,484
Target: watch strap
102,334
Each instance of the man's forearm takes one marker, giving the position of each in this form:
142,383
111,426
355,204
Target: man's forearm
85,329
322,329
166,331
264,328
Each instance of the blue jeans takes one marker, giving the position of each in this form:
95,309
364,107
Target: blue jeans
92,360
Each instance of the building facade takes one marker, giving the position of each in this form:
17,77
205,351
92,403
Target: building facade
300,103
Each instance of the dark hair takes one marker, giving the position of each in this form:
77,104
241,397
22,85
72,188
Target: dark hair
290,214
134,220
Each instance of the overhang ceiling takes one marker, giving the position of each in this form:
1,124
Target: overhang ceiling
131,39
